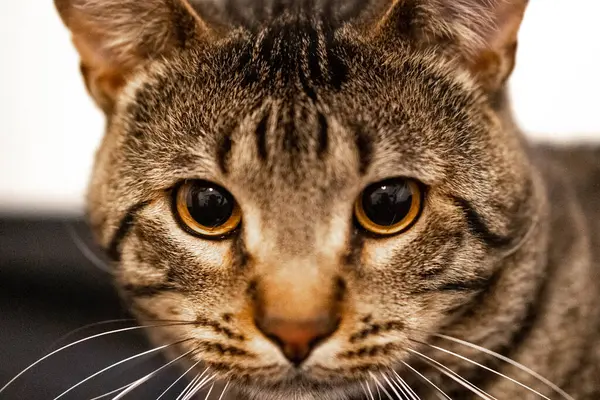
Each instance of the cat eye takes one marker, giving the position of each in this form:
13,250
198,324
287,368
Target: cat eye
389,207
206,209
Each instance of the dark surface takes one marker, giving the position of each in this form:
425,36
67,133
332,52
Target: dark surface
48,288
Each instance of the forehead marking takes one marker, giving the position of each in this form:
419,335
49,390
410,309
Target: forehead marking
294,53
364,145
261,136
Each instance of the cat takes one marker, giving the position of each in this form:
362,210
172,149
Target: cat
332,200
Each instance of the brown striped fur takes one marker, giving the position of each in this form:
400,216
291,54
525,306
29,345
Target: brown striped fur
295,107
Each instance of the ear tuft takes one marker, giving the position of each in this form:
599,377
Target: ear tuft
482,32
114,37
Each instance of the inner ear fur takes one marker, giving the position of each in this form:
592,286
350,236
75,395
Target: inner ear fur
482,33
115,37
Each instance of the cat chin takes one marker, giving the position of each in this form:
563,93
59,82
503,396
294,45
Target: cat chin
297,394
299,391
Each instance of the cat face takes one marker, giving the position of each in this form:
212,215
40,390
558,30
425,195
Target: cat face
311,198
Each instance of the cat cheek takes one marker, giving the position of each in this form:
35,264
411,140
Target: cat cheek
380,253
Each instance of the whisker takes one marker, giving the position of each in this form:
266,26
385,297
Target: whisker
154,350
370,394
453,375
88,326
392,387
209,391
224,390
378,392
199,386
379,385
117,390
147,377
86,251
423,377
509,361
406,386
192,385
189,385
403,387
114,321
180,378
484,367
82,341
362,385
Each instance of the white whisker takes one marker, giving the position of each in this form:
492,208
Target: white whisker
439,391
393,387
509,361
369,390
485,367
154,350
209,391
379,385
454,376
132,383
180,378
406,386
224,390
189,385
147,377
82,341
92,325
86,251
117,390
362,385
199,386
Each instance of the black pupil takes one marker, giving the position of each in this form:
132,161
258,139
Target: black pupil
209,205
387,203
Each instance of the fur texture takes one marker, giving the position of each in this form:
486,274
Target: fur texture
296,108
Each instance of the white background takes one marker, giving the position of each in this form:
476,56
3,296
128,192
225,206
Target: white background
49,129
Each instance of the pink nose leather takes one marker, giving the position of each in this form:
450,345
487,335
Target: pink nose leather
297,338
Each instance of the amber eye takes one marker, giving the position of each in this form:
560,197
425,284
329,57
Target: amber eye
389,206
207,209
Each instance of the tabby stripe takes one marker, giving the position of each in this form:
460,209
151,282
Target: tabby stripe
354,247
478,227
323,138
261,137
307,87
484,379
125,225
148,290
473,285
223,152
364,145
314,59
338,68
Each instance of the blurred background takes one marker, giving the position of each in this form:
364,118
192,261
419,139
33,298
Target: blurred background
49,130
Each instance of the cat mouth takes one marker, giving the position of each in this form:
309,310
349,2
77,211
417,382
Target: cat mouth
301,383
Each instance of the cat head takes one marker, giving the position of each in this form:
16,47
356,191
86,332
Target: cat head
310,189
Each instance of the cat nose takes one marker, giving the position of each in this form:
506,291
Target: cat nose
297,339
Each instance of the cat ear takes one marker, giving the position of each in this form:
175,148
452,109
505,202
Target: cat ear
482,32
114,37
